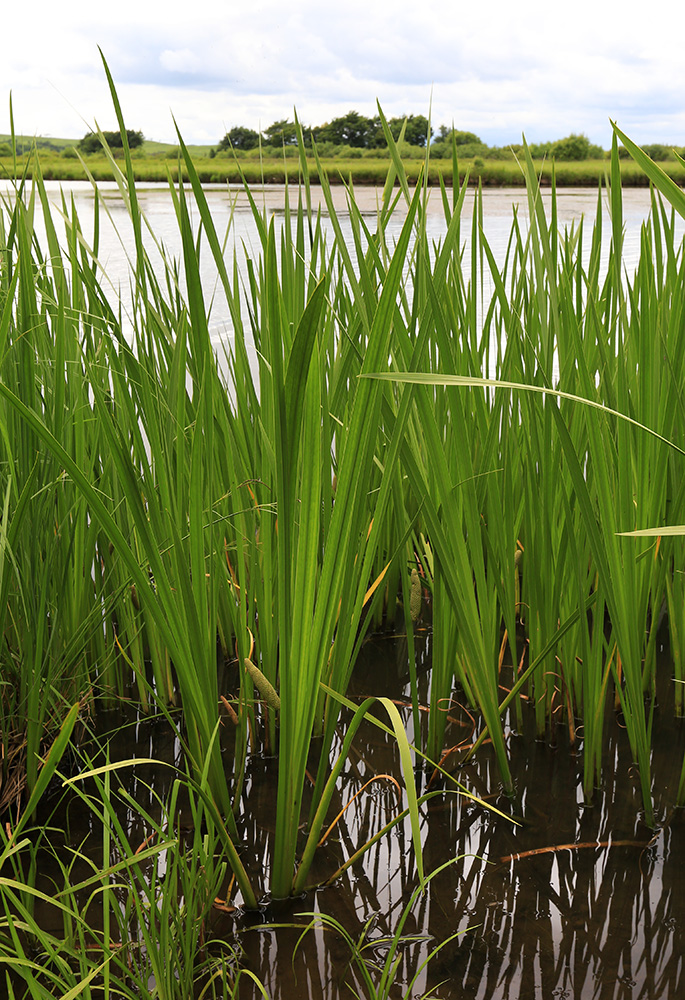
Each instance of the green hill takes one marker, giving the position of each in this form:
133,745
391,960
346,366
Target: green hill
57,145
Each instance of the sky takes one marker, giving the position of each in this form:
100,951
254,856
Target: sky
497,68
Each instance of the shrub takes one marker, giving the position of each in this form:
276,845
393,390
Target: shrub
538,150
90,143
326,148
573,147
500,153
240,138
470,149
657,151
461,138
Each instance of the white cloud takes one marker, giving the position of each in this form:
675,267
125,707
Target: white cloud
180,61
496,69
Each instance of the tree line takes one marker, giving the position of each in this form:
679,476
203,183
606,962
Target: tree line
358,132
353,129
91,143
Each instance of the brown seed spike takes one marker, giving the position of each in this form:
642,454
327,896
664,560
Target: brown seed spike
263,685
415,596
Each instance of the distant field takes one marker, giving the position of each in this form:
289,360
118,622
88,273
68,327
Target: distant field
49,144
154,160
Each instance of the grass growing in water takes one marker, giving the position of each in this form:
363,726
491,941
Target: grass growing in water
154,510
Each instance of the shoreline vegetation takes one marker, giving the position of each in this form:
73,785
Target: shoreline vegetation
154,162
370,172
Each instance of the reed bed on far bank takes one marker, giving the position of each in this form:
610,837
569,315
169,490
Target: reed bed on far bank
274,168
403,431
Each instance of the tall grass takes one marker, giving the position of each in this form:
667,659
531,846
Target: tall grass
418,411
136,924
210,510
591,459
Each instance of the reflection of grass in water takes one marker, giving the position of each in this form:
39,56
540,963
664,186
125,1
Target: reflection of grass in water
139,923
377,980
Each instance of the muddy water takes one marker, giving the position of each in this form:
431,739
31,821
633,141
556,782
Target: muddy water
603,918
571,901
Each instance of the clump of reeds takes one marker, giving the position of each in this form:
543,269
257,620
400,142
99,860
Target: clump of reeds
154,508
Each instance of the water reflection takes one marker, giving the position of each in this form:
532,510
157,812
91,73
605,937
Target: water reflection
232,214
602,920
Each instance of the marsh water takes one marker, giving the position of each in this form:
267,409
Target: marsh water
573,901
549,898
232,215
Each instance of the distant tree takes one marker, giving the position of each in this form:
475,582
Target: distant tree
467,138
538,150
376,138
281,133
440,151
395,125
657,151
90,143
351,129
240,138
500,153
415,132
135,139
469,149
573,147
460,137
359,132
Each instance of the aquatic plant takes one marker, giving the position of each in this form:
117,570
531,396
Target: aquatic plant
554,331
502,432
138,923
379,981
209,519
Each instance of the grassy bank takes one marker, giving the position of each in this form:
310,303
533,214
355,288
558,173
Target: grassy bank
369,170
215,547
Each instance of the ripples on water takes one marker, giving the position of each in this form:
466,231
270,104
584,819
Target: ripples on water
604,920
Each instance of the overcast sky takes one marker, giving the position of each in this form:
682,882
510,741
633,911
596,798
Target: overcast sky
497,68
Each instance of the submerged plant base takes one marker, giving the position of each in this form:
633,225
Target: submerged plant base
575,901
